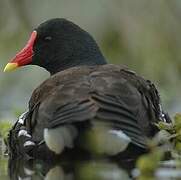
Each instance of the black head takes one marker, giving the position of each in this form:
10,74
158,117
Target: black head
58,44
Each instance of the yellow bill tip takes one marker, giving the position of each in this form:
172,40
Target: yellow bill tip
10,67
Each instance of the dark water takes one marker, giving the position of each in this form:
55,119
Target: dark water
99,169
52,170
84,170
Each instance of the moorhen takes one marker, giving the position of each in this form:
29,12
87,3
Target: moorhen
86,103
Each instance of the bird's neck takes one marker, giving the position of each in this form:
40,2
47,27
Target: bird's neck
88,59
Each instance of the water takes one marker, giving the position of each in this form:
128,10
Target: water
99,169
39,170
83,170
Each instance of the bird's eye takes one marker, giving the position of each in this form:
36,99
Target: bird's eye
48,38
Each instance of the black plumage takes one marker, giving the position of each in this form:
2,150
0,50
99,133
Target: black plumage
83,88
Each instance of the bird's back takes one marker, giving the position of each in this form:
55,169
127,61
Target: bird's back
108,95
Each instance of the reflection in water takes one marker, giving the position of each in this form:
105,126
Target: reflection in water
80,170
89,170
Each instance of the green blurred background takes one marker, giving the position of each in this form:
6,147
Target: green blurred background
145,35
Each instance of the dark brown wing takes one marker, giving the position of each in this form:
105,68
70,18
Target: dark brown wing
108,93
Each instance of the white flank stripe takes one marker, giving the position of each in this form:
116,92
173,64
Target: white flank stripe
21,118
29,143
23,133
